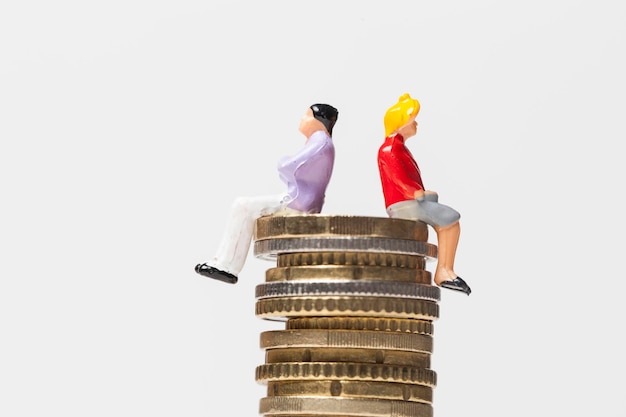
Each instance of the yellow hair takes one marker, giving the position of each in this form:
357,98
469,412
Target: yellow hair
400,113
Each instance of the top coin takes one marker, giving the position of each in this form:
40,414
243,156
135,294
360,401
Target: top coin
274,226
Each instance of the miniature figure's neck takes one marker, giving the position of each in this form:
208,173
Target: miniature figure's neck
397,136
318,132
312,126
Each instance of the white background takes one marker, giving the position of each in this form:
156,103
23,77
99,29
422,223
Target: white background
128,127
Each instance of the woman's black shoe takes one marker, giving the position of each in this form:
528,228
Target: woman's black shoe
457,284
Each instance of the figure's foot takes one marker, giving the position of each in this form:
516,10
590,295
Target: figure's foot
211,272
456,284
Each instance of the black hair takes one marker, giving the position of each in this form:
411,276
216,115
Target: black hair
326,114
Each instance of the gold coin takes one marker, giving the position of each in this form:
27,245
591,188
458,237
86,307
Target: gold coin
362,323
380,307
368,288
346,339
349,272
269,249
394,260
361,355
345,371
354,407
352,389
269,227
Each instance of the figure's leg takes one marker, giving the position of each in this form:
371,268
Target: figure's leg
235,244
447,242
445,221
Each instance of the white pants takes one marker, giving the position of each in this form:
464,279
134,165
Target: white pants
233,249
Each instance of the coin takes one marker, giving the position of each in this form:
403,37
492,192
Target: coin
269,248
269,227
345,371
382,307
352,389
361,355
362,323
349,272
354,407
369,288
410,342
393,260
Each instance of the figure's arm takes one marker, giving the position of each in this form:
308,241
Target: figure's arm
289,165
408,182
402,171
309,172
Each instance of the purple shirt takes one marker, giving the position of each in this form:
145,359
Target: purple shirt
307,173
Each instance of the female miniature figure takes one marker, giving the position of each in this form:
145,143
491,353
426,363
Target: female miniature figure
406,197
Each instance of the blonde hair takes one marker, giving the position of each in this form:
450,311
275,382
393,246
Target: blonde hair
400,113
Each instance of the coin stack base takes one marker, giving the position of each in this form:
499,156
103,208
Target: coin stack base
358,307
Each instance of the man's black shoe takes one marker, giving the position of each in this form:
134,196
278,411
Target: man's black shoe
457,284
211,272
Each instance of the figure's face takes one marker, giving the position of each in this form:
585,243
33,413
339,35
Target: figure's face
409,128
309,124
306,119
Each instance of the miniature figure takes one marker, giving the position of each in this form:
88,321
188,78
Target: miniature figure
306,175
406,197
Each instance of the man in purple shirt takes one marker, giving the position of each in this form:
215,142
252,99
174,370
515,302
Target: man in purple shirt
306,174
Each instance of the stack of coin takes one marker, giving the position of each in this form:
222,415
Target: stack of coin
358,306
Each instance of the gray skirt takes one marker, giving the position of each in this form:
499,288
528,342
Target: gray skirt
428,210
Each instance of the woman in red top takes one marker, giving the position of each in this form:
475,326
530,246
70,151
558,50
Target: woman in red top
406,197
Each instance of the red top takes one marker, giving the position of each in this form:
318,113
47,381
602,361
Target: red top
399,173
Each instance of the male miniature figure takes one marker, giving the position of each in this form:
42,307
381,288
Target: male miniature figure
406,197
306,175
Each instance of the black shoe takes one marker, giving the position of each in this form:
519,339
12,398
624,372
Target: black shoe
457,284
211,272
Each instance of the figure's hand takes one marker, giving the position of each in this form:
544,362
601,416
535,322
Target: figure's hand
419,195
